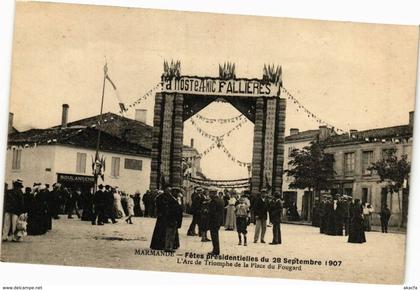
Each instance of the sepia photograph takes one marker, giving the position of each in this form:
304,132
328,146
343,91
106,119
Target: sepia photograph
208,143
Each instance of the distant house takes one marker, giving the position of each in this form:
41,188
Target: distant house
301,197
355,152
64,153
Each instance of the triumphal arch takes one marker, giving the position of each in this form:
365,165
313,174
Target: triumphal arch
258,100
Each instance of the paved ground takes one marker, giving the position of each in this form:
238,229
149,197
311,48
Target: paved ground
77,243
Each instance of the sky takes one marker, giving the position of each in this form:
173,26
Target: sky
354,76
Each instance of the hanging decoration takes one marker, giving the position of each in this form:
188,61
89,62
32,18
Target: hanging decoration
217,137
233,158
208,150
220,121
236,183
309,113
143,97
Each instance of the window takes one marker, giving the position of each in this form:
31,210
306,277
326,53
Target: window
367,159
133,164
290,150
81,163
115,167
349,163
348,191
365,195
386,153
17,153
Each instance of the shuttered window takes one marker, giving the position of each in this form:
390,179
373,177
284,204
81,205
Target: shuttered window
81,162
115,167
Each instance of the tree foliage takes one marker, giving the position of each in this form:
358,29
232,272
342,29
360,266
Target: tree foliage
311,168
392,170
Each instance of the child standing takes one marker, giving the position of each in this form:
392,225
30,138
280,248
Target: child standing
241,219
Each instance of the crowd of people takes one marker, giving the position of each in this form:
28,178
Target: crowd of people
342,215
238,210
31,210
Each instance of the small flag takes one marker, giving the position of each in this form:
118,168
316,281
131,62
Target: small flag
122,107
120,103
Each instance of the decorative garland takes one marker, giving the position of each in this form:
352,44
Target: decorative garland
232,157
220,121
143,97
210,148
237,183
309,113
218,137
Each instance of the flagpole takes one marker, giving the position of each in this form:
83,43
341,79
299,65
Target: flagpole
100,123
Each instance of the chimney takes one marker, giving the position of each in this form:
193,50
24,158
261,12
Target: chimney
324,133
140,115
411,119
294,131
353,133
65,116
10,130
192,143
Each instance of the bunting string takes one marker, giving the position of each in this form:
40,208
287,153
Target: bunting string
220,121
141,98
208,150
237,183
217,137
232,157
309,113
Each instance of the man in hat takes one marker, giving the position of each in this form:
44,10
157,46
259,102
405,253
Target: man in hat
98,206
276,207
196,200
146,202
216,208
260,208
13,208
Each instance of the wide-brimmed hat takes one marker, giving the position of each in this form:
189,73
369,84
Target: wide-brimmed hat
212,189
18,182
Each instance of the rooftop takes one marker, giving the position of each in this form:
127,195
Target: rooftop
127,129
118,134
304,135
372,135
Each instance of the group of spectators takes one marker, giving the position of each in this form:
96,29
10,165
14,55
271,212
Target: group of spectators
30,210
239,210
341,214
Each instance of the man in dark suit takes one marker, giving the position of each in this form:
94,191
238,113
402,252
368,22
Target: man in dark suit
196,199
385,216
216,208
98,206
276,208
260,208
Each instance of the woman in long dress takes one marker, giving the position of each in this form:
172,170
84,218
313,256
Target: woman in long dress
37,210
357,232
230,223
159,232
130,208
118,206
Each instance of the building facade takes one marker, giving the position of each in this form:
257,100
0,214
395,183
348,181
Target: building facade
65,153
302,198
72,166
355,152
